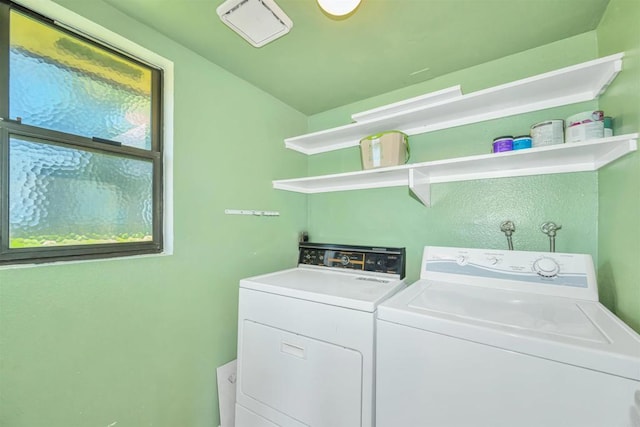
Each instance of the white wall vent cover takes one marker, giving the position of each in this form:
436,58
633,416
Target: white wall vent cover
257,21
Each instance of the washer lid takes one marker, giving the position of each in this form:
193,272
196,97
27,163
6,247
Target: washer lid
358,291
577,332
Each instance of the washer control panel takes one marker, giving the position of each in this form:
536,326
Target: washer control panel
363,258
554,273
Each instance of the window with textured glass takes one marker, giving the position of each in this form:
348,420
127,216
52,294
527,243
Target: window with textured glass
80,145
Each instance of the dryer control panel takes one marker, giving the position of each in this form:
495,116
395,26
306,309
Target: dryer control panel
363,258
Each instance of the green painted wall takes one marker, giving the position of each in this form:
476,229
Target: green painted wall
137,341
619,192
464,214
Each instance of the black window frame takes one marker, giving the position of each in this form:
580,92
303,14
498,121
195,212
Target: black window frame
12,126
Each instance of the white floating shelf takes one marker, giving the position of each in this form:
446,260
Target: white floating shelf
409,104
582,82
563,158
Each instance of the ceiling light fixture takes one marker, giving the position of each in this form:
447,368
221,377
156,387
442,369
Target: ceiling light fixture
338,7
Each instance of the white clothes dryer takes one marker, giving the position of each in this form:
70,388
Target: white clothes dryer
306,337
492,338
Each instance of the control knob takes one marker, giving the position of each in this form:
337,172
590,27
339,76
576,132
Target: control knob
546,267
462,260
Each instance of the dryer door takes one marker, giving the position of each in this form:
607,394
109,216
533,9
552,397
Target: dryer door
314,382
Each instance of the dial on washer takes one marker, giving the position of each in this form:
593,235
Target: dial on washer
546,267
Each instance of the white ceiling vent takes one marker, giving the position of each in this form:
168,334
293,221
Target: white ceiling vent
257,21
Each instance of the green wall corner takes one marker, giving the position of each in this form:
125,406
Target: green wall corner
619,189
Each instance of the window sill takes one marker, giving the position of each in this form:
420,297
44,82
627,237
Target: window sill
83,261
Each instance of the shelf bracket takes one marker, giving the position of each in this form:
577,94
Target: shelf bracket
615,153
420,186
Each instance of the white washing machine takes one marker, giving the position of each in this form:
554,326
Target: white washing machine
306,337
505,338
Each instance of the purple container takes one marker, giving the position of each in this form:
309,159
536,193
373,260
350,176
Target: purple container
503,143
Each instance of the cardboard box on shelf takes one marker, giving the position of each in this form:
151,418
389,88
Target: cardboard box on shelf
384,149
